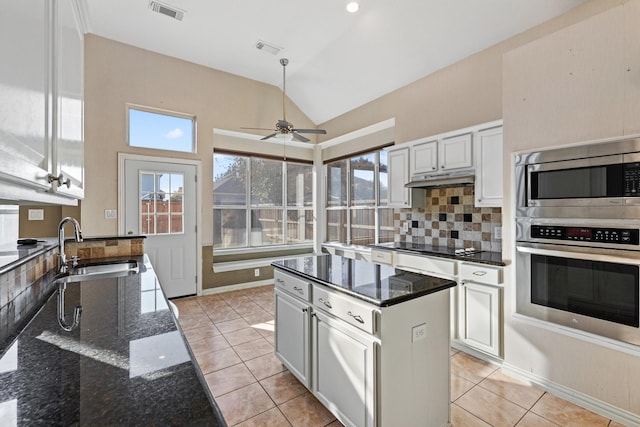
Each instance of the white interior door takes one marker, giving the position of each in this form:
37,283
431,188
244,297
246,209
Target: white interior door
160,203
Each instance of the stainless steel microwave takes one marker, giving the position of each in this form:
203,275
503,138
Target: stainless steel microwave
599,180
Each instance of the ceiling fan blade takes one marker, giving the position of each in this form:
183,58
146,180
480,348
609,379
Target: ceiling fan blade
317,131
269,136
257,128
300,138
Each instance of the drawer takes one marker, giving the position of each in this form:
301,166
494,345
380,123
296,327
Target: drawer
291,284
382,257
440,267
345,308
480,273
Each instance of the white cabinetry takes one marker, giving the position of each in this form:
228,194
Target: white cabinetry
480,307
292,325
343,369
40,100
489,168
399,195
370,366
438,155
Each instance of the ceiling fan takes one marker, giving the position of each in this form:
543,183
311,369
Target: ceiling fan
283,127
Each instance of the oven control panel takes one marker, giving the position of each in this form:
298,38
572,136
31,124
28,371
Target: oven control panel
623,236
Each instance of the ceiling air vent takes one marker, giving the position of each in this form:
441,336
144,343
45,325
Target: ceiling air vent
165,9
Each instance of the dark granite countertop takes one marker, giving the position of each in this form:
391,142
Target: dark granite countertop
126,363
484,257
12,255
377,284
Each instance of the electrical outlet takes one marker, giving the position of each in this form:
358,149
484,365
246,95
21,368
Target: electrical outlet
36,214
419,332
405,226
497,233
257,272
110,214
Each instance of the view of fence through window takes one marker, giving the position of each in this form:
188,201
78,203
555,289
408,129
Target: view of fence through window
261,202
357,211
161,203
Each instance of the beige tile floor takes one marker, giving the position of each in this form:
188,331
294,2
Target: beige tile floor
231,335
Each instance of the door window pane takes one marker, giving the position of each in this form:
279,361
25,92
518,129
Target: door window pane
161,131
266,182
161,195
229,180
362,180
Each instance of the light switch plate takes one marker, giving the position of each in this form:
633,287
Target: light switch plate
36,214
419,332
497,233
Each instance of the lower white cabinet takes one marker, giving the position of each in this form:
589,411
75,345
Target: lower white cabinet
480,307
370,366
343,369
292,338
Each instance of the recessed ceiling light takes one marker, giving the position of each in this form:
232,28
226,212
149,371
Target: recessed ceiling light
353,6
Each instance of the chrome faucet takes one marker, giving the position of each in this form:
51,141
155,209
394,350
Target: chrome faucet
78,236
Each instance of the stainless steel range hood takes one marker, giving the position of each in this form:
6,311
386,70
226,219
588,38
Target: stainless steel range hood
443,179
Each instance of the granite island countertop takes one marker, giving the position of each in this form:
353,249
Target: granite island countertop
126,363
378,284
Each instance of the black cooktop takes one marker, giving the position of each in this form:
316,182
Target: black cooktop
483,257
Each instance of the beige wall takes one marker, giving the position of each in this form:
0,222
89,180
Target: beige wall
117,74
579,84
48,227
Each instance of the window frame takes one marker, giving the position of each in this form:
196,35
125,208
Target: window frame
350,208
175,114
250,206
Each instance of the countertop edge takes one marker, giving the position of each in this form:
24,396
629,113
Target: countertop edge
385,303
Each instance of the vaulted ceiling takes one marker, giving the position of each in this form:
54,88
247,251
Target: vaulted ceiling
338,60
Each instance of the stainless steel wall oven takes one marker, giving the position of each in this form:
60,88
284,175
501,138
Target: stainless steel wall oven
578,238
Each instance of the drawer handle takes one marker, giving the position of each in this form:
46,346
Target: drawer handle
279,280
479,273
356,317
295,288
326,303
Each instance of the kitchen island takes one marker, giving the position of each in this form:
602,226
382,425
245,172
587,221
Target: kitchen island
369,341
125,363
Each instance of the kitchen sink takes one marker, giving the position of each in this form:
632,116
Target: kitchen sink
101,269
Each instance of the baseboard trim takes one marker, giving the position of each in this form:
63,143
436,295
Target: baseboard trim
591,403
248,285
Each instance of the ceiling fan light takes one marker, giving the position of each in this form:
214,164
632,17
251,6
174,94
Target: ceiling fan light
353,7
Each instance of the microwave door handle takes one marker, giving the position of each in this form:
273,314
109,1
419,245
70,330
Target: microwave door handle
561,252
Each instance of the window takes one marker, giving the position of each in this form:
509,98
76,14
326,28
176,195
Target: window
161,203
161,130
357,211
261,202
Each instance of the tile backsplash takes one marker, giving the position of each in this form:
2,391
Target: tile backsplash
450,219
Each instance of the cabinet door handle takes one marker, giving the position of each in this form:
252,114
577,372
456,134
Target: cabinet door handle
295,288
327,303
356,317
304,310
479,273
279,280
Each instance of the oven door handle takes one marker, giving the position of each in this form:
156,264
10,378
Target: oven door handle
574,252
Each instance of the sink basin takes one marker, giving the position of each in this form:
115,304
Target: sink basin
104,268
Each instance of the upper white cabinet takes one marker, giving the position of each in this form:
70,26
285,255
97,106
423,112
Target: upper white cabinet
41,101
399,195
438,155
489,168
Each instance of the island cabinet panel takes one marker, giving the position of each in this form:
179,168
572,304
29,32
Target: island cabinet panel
292,339
371,364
